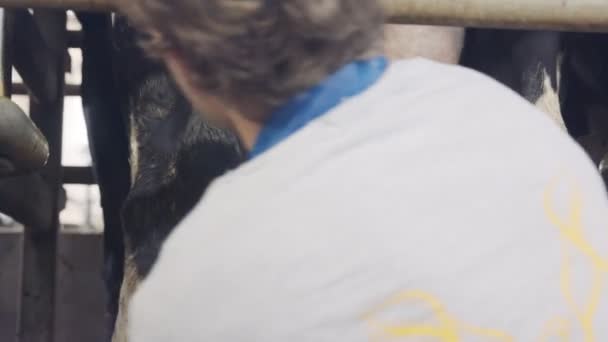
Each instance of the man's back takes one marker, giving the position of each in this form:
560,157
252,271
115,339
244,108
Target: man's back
436,205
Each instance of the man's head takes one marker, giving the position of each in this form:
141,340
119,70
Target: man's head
240,54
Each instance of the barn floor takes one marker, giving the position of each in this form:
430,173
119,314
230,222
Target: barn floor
80,293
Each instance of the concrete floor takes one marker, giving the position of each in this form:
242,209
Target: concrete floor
80,292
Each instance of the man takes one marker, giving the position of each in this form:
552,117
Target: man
405,201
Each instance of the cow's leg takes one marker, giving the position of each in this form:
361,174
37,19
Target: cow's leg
108,144
526,61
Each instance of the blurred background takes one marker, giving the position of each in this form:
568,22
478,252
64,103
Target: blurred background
83,211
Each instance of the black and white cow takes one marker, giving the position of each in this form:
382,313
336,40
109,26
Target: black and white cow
565,74
526,61
153,159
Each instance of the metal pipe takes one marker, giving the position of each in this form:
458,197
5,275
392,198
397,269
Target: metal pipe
567,15
88,5
571,15
3,45
38,282
575,15
32,55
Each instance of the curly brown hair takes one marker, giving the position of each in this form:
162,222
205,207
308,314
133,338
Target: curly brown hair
264,49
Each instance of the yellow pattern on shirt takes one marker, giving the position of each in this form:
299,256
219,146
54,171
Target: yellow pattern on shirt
574,240
448,328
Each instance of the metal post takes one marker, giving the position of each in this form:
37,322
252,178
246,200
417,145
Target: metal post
33,56
37,316
3,55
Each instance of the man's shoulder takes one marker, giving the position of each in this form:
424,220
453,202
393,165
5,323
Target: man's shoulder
451,92
471,126
419,76
429,70
443,89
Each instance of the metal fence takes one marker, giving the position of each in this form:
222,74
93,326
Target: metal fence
575,15
47,65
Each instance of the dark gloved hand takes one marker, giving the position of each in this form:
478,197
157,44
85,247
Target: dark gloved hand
23,148
24,195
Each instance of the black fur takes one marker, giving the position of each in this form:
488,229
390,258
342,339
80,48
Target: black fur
129,97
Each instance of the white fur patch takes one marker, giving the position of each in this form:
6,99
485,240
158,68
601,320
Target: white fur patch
134,149
549,101
129,285
604,165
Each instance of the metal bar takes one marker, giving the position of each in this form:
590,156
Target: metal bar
32,55
88,5
11,240
78,175
575,15
8,37
37,316
69,90
74,39
571,15
3,54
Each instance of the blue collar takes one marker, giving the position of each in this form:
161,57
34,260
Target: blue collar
349,81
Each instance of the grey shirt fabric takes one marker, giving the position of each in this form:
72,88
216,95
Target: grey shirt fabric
436,206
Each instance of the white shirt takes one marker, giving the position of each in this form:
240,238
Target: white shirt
438,205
